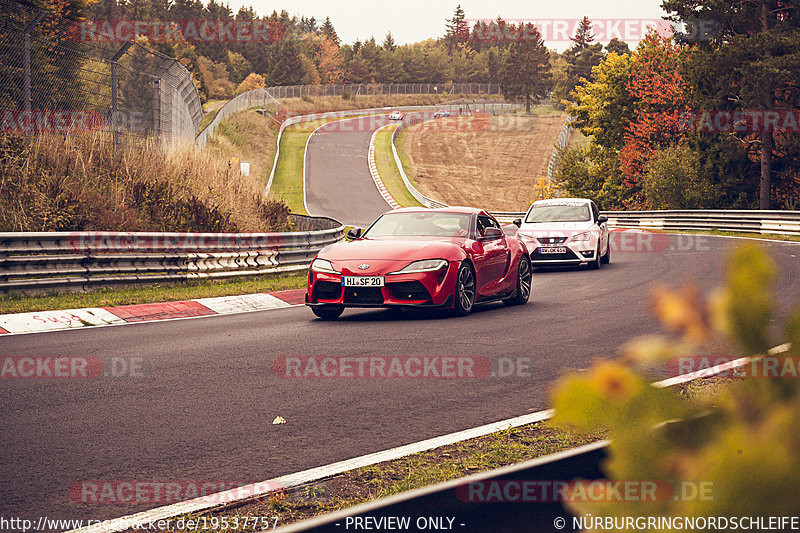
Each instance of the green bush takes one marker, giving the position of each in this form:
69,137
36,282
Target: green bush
742,443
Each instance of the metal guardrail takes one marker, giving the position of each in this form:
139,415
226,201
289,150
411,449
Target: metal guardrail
418,196
744,221
79,260
246,100
560,144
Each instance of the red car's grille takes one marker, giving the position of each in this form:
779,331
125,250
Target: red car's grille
327,290
409,290
363,295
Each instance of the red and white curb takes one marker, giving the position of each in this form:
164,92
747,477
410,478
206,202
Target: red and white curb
373,170
39,321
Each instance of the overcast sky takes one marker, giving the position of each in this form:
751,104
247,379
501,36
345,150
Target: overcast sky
415,20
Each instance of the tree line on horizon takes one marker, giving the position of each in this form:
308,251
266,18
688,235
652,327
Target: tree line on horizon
630,104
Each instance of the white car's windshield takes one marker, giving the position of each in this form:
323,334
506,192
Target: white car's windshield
420,224
559,213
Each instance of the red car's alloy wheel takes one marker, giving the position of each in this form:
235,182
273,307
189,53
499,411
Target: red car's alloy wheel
524,277
465,290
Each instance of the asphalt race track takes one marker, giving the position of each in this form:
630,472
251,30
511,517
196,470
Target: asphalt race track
204,408
338,182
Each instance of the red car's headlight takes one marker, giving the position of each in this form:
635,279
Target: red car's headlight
426,265
323,265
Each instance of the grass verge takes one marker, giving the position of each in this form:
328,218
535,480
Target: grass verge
155,293
387,168
392,477
288,182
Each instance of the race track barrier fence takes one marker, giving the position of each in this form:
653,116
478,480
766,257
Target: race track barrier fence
81,260
36,261
740,221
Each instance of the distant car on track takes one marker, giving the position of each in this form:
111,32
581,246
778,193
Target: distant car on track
441,114
396,115
565,231
450,258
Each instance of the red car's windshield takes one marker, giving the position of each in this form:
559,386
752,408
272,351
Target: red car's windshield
421,223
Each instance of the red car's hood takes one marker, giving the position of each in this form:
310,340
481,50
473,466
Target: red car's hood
395,249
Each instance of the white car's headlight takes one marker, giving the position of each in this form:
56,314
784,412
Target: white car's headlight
581,237
323,265
525,236
426,265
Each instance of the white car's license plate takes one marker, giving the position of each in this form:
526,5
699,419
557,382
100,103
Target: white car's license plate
553,250
362,281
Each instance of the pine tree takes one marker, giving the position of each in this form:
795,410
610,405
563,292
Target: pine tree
583,34
526,72
457,29
329,32
388,43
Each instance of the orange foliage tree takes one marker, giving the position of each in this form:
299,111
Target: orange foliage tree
662,95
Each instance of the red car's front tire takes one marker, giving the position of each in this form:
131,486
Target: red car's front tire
329,312
464,296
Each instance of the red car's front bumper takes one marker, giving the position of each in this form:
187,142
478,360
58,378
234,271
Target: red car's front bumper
421,289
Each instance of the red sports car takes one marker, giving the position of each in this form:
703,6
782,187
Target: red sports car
450,258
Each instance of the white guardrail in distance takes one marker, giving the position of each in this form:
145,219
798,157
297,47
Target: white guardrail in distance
418,196
560,144
52,260
744,221
246,100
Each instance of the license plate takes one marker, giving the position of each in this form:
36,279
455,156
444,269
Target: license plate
560,250
362,281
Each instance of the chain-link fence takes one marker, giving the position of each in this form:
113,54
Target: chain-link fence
58,77
355,89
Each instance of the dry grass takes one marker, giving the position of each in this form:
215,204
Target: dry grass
80,183
464,162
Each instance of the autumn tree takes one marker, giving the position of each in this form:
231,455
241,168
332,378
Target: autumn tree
331,62
662,98
750,63
526,72
252,81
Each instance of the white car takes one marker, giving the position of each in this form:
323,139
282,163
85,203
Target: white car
395,115
565,231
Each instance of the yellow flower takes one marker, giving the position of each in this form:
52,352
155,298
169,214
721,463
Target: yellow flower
614,382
